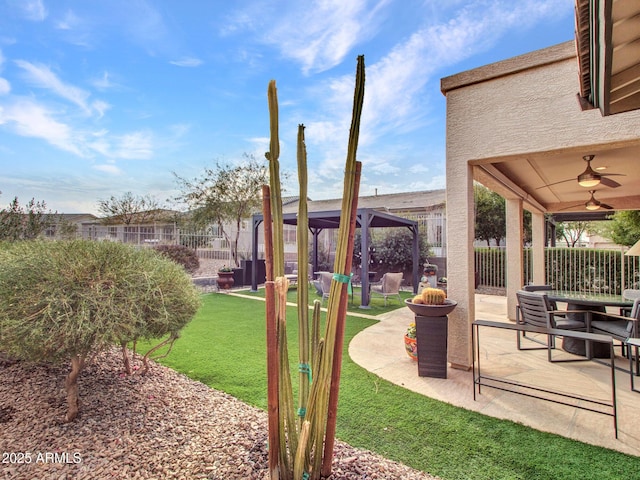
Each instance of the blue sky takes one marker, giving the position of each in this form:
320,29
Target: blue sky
98,97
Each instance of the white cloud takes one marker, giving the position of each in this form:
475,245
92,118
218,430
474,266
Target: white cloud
187,62
134,146
396,98
105,82
30,119
419,168
108,168
5,86
42,76
32,9
319,35
70,21
100,107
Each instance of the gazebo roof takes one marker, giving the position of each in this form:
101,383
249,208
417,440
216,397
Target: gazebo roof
331,219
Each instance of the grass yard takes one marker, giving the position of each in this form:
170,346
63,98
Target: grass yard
224,347
376,303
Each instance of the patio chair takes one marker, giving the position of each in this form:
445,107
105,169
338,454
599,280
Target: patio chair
323,284
535,309
389,286
629,294
619,327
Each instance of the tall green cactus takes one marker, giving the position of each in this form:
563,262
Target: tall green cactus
305,447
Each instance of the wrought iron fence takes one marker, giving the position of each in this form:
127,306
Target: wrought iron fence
572,269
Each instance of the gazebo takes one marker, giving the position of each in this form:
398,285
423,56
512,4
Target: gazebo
366,218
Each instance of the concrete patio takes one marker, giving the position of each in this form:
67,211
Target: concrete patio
380,349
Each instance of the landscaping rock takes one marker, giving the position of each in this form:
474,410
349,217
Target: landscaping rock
162,425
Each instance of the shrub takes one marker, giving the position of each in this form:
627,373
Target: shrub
66,300
185,256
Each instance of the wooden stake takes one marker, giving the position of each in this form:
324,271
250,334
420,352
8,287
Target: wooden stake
339,343
272,342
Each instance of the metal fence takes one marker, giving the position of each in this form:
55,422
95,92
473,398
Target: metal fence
572,269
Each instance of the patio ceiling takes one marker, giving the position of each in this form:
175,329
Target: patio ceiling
535,178
608,54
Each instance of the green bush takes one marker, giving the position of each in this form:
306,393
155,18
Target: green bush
66,300
182,255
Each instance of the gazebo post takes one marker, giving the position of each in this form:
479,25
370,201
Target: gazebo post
364,247
416,257
256,221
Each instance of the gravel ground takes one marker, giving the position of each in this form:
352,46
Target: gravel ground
158,426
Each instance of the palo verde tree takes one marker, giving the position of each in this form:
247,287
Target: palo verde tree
225,196
64,301
129,208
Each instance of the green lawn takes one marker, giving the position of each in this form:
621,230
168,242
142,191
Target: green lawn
376,303
224,347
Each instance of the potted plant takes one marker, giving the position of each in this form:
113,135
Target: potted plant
410,343
431,302
431,308
225,278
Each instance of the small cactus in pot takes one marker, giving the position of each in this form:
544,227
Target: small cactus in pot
433,296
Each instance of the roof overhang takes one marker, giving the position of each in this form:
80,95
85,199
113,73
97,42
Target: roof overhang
608,48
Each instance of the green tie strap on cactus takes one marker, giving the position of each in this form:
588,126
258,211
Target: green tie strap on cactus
305,368
338,277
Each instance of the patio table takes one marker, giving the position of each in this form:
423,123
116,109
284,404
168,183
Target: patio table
596,302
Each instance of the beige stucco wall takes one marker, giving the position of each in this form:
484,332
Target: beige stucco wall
523,105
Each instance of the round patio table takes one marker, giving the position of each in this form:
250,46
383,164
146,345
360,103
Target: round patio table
596,302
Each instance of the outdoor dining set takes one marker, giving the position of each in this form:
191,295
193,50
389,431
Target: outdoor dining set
592,327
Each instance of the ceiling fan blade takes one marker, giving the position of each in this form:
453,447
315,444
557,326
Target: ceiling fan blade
573,206
608,182
605,206
556,183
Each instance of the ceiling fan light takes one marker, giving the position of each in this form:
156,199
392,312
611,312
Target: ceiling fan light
589,179
592,206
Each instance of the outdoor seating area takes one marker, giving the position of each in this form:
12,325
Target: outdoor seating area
501,357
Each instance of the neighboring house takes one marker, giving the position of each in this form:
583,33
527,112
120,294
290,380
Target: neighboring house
65,225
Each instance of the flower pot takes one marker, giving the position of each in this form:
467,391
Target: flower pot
225,280
411,346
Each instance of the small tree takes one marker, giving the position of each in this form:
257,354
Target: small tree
129,208
490,215
24,223
571,232
66,300
623,228
225,196
395,249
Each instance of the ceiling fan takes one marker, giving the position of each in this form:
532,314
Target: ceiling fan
592,204
590,177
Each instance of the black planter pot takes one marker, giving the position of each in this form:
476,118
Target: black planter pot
431,338
432,328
